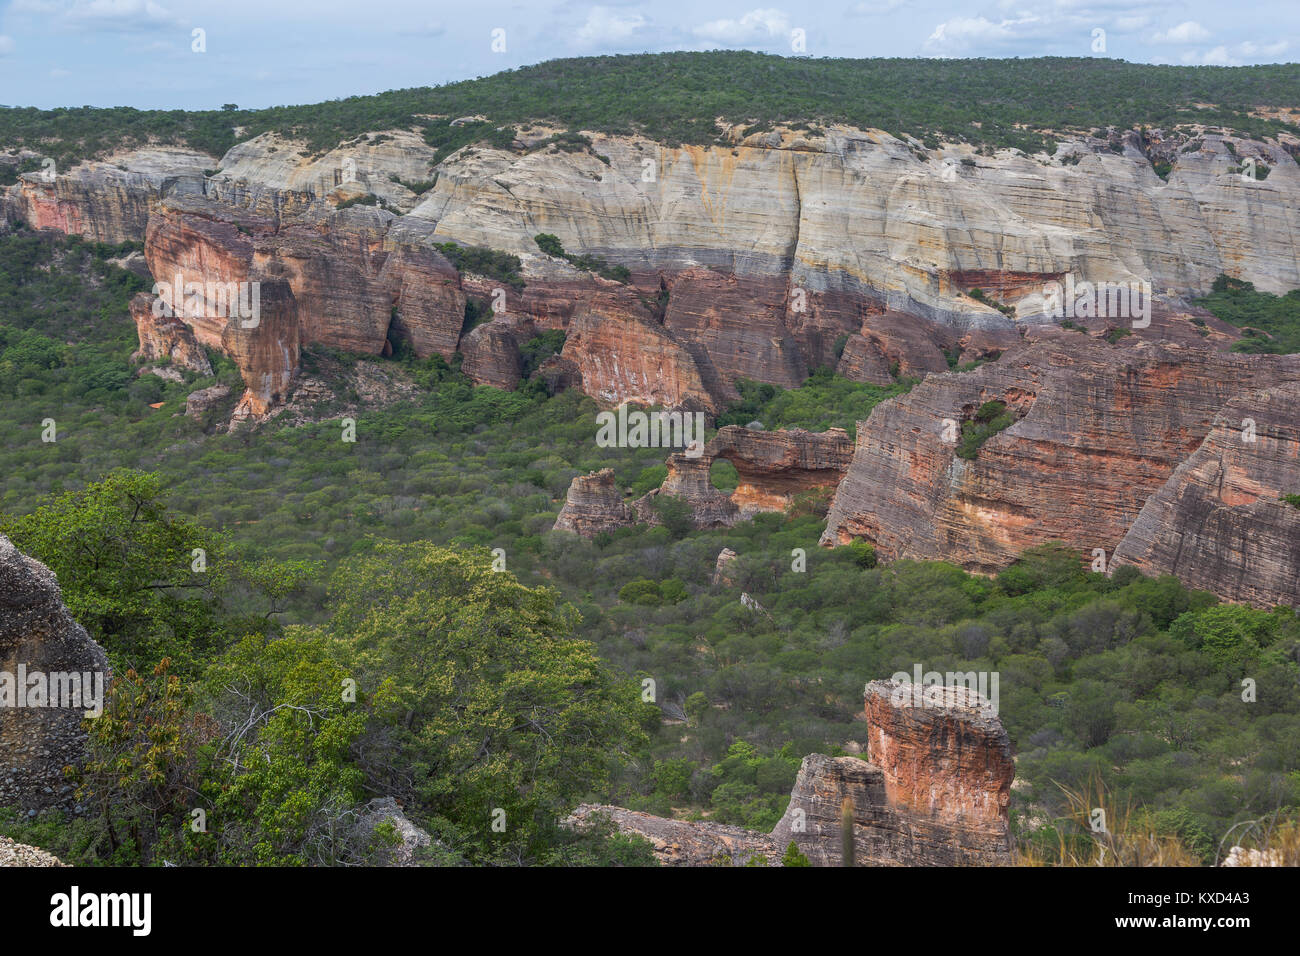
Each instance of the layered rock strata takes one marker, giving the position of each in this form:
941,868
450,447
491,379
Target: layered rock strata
1221,523
1097,430
773,467
763,258
593,505
934,792
165,338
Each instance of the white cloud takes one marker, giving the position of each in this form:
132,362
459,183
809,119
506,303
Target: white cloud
875,8
960,34
6,45
605,27
756,26
1235,55
1189,31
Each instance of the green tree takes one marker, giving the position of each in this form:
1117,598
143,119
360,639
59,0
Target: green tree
503,716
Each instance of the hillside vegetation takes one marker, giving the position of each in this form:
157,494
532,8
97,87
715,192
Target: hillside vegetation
371,560
674,98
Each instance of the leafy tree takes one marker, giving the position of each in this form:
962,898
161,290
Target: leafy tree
502,715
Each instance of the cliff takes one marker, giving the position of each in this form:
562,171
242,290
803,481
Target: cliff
165,338
1219,523
39,639
934,792
754,259
266,351
1097,430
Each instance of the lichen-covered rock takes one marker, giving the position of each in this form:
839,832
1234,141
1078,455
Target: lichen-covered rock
39,637
1220,523
383,814
13,853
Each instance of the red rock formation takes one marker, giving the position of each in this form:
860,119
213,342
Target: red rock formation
773,467
190,240
430,303
334,266
630,358
593,505
1219,523
166,337
491,351
738,324
266,351
689,479
943,754
1100,428
934,793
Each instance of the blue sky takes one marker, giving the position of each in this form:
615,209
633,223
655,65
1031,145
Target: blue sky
268,52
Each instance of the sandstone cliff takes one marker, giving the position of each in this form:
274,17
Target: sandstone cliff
934,792
774,467
1098,429
1219,523
165,338
748,260
39,636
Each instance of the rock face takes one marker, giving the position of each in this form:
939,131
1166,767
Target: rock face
1098,429
39,637
1219,524
774,467
109,201
266,350
593,505
934,792
754,259
165,337
629,358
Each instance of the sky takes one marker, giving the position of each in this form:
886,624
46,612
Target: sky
255,53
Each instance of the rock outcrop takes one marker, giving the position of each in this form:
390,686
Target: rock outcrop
774,468
1097,430
933,792
165,338
407,839
13,853
266,350
42,647
1220,523
754,259
593,505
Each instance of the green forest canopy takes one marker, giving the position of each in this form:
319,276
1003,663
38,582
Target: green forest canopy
675,97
